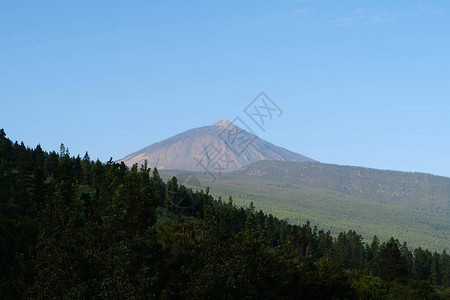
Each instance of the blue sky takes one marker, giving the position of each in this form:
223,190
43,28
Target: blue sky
362,83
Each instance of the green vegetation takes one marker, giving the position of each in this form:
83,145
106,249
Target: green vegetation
410,206
422,192
74,228
338,212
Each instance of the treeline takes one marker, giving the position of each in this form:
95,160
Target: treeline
74,228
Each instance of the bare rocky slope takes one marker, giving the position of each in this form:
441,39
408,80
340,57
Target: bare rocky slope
221,147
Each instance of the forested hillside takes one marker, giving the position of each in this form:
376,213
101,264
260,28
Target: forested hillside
413,207
419,191
74,228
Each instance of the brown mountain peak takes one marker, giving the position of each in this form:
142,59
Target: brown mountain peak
223,123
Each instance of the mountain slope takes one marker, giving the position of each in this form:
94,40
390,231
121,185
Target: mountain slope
413,190
410,206
222,147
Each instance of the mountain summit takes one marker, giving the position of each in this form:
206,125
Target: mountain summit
223,123
221,147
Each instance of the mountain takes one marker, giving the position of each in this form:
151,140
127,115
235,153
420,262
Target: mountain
219,148
413,190
413,207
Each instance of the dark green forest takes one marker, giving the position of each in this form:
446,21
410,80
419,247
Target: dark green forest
73,228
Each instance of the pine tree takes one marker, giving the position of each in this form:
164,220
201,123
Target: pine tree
422,264
374,256
158,187
436,269
445,269
86,169
325,244
390,260
407,260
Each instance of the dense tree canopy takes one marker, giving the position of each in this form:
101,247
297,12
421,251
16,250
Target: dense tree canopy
74,228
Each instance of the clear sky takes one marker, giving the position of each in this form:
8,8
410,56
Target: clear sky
363,83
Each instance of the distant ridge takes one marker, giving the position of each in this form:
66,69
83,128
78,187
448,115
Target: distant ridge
414,190
221,147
